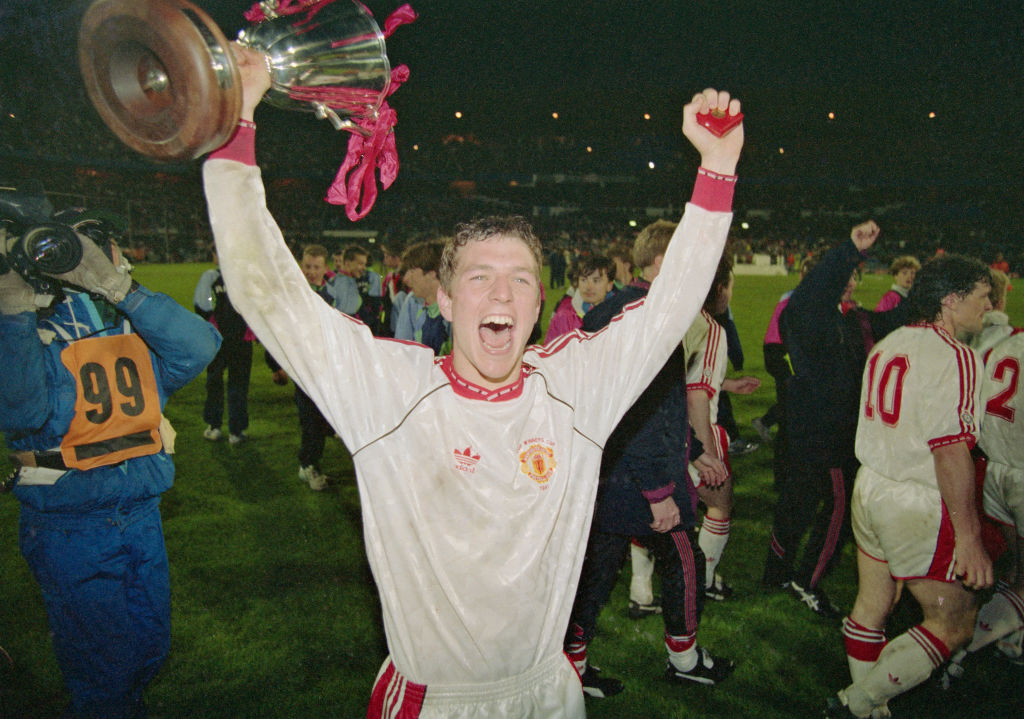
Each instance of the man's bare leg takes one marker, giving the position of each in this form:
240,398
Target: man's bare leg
909,659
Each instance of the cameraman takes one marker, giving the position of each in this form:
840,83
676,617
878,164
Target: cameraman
90,360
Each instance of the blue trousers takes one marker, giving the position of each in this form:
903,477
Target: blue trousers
677,558
105,581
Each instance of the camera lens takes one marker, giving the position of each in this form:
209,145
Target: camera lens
52,249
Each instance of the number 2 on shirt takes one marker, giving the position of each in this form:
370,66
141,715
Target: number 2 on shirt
1007,370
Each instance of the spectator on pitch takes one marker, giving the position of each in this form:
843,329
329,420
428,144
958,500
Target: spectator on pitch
828,337
1001,619
705,352
421,319
356,290
914,513
314,429
392,288
557,264
594,278
211,302
622,256
645,493
90,358
477,472
903,270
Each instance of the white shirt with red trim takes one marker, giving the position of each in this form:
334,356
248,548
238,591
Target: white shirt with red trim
706,359
1002,426
921,389
476,503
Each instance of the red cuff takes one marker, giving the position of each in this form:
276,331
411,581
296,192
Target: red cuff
653,496
240,148
713,191
967,437
702,386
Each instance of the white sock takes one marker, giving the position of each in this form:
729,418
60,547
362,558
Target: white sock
640,590
1001,615
905,662
714,535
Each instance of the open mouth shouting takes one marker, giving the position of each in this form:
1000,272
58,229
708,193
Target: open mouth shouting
493,304
496,332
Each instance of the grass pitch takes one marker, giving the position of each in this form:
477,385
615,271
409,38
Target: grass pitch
275,614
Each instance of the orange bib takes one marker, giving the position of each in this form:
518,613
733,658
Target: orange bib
117,406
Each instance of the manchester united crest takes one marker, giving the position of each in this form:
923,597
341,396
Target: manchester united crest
537,460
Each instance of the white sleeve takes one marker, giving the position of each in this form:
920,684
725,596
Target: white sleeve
951,408
606,371
332,357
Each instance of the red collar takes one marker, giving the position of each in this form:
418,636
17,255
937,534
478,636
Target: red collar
465,388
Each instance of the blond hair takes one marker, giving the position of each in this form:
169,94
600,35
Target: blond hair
651,242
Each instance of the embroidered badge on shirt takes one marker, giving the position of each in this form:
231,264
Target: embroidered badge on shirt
537,460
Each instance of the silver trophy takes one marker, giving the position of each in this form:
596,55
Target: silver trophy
162,76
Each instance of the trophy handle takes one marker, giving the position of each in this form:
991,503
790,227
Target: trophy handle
161,75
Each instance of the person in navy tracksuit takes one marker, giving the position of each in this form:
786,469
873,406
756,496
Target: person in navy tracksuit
828,337
646,493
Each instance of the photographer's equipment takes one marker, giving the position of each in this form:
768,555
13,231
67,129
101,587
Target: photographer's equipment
27,205
34,243
38,244
163,77
47,248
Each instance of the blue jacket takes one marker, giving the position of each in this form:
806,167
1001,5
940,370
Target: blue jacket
38,393
425,325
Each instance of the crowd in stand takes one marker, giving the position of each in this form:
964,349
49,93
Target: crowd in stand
453,177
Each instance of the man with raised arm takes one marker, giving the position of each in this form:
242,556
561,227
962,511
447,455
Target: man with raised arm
477,471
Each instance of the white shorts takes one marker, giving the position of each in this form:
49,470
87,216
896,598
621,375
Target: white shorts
550,690
1003,497
904,524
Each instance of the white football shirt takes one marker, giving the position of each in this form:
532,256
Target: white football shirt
1002,425
921,390
706,358
476,503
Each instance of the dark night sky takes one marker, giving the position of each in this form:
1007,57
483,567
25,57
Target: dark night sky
881,66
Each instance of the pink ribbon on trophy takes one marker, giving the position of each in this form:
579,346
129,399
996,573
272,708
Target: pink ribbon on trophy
355,185
372,149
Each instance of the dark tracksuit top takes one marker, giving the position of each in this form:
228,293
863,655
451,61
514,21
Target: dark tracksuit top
646,456
828,350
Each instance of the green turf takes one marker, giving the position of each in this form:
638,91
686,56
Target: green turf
275,612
